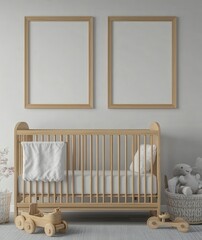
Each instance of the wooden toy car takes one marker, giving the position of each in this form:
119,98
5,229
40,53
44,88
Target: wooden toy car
160,221
51,222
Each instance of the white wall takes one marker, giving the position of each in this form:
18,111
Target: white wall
181,127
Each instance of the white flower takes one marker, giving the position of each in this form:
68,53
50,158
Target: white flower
5,171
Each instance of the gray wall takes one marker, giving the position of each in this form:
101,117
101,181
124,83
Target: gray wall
181,128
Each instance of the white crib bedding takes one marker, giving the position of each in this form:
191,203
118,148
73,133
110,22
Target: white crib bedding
150,186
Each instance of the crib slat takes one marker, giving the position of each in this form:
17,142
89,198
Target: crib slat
67,168
37,138
151,142
97,167
82,169
73,166
138,146
54,182
118,160
42,191
42,183
85,147
111,163
36,182
20,153
145,157
74,150
60,191
30,192
48,186
36,193
23,190
49,138
79,148
134,149
103,166
126,182
20,169
54,191
61,139
91,166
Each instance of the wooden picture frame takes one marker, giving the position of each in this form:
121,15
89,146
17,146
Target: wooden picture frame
142,62
58,62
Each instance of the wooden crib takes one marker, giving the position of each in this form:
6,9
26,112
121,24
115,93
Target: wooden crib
98,177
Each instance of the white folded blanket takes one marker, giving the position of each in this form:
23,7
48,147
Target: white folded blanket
44,161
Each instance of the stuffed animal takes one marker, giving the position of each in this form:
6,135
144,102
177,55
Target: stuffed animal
183,181
197,169
198,166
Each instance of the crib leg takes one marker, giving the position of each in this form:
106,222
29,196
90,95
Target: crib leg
153,213
15,212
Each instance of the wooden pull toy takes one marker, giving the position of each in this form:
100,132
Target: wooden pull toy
51,222
161,221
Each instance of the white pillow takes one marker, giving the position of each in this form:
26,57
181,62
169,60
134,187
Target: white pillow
142,158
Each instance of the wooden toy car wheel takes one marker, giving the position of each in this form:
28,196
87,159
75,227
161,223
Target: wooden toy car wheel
65,227
29,226
19,222
182,226
49,229
152,222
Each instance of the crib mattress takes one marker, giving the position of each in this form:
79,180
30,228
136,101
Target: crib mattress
143,184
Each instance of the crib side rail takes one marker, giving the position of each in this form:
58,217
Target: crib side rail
85,131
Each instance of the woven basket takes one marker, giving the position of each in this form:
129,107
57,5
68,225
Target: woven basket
5,199
187,207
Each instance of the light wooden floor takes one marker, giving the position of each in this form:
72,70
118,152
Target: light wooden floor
101,226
